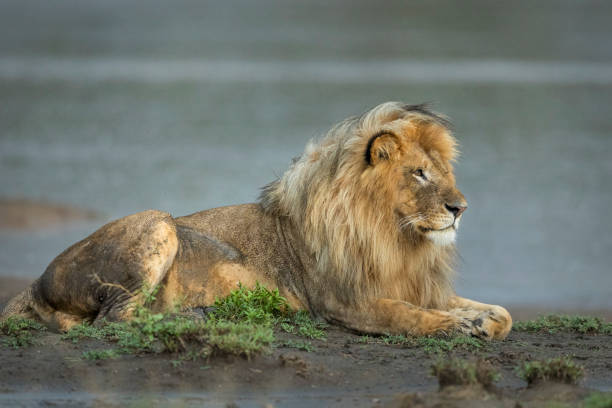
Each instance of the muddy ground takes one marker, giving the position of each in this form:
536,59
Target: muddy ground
344,370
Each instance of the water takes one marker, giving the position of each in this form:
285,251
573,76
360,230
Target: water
120,107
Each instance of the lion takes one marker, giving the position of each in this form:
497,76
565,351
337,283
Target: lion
359,231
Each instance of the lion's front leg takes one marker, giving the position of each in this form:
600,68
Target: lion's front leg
488,321
388,316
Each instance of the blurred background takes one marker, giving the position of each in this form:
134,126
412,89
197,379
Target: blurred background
112,107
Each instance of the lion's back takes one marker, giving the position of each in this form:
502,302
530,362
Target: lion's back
245,233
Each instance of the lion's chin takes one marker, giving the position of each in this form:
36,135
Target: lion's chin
442,237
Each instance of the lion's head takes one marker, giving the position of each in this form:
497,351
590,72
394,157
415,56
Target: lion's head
376,203
413,156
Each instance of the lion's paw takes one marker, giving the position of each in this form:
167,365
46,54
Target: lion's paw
492,324
464,325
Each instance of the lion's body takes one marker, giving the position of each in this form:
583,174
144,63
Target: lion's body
250,247
359,231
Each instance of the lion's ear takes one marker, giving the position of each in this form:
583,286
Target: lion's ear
382,146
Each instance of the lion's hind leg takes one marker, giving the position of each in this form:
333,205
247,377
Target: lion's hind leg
146,259
102,277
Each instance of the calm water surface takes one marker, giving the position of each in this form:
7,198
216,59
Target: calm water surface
119,107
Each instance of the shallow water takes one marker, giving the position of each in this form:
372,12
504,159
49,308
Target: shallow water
119,108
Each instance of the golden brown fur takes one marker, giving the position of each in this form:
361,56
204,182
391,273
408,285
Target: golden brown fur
346,210
359,230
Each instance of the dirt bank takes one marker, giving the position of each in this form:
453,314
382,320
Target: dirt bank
24,214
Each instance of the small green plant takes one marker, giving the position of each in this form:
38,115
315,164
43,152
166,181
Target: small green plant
300,345
560,369
565,323
436,345
289,328
462,372
19,331
439,345
83,330
258,306
397,339
100,354
266,307
238,338
598,400
302,324
149,329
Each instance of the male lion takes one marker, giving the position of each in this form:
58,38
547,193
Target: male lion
359,231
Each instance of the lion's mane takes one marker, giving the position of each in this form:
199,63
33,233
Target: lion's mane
347,219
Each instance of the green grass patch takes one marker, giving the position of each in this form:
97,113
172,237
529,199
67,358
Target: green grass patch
19,331
158,332
429,344
398,340
560,369
462,372
442,344
100,354
302,324
241,324
267,307
297,344
82,331
364,339
152,332
564,323
436,345
257,306
238,338
598,400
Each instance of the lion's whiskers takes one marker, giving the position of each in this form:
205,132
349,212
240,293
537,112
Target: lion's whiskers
411,220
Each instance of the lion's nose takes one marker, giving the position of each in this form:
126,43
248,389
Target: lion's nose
456,208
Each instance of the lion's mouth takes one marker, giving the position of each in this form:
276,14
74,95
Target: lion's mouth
425,230
442,236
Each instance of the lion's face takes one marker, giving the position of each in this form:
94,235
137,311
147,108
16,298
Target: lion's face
429,203
415,160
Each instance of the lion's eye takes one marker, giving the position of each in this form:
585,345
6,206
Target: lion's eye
420,174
